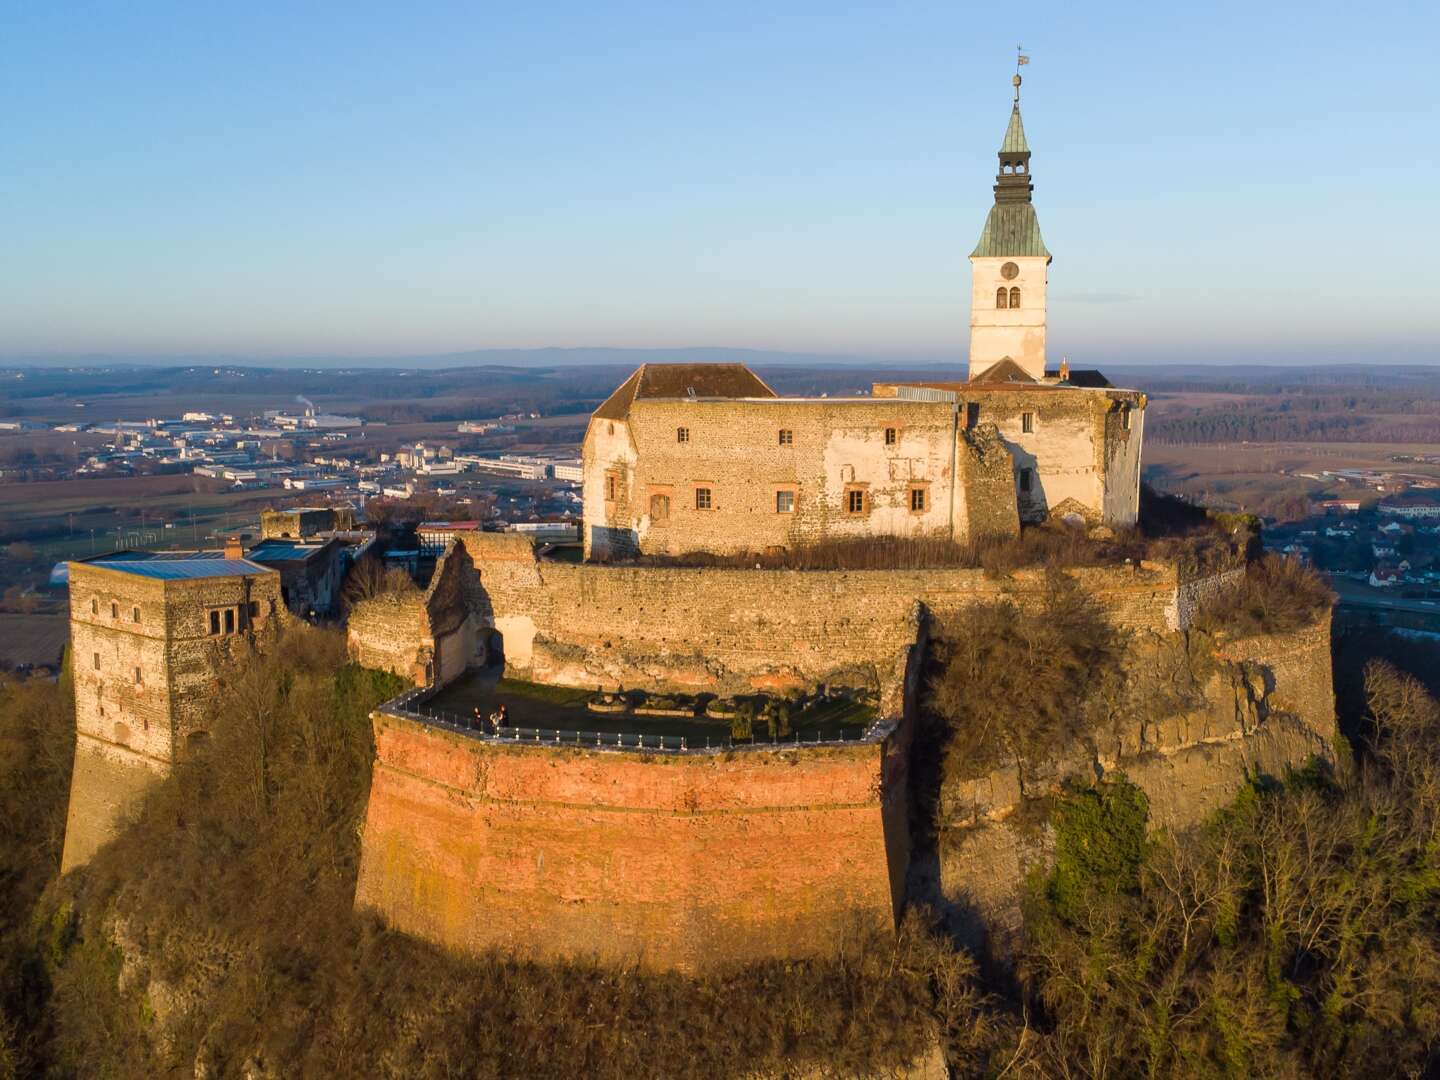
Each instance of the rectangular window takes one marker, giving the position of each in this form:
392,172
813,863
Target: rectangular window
855,500
1026,479
682,434
659,509
702,499
890,436
972,414
1027,422
784,502
610,485
137,676
917,500
94,606
135,614
97,661
1125,417
229,620
787,437
214,622
114,610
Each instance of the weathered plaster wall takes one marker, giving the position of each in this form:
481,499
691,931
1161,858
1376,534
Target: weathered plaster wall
641,479
1018,333
677,861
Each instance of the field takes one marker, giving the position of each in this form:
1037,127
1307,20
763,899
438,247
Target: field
32,639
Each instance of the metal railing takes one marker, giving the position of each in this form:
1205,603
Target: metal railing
413,705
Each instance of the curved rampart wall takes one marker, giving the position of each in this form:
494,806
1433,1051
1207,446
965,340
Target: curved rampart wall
676,860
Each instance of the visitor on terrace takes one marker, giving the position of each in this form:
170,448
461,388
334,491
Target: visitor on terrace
499,719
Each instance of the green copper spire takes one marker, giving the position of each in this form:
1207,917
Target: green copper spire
1012,227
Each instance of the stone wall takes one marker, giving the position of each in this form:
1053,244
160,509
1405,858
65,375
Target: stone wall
676,861
424,635
728,631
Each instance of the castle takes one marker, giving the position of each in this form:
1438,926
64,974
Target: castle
686,458
679,853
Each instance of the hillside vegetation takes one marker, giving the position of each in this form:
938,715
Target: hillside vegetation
1297,934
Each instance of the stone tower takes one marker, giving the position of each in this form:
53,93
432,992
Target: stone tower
1008,267
149,636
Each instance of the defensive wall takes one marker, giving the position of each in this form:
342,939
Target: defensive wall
675,860
739,630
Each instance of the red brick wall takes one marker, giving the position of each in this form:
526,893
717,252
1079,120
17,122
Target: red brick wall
677,860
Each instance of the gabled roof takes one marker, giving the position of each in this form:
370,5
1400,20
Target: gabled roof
1015,135
1005,370
681,381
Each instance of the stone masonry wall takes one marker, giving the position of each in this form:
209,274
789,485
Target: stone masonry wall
728,631
677,861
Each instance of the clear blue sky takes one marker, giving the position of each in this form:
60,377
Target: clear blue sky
1231,182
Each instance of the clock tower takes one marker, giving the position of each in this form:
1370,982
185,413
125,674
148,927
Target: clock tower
1009,266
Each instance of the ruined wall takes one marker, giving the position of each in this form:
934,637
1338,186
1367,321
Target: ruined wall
733,630
1241,709
425,636
678,861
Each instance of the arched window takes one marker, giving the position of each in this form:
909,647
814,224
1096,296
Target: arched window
1014,297
1000,297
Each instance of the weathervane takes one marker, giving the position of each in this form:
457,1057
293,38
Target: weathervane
1020,60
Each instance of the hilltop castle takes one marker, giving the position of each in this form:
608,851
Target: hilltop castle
554,843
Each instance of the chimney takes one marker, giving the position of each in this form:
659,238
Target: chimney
233,550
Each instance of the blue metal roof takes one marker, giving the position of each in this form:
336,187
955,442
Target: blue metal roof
183,569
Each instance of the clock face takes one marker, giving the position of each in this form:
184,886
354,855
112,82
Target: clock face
1009,271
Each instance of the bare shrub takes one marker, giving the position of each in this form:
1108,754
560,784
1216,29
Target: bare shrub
369,577
1276,595
1015,683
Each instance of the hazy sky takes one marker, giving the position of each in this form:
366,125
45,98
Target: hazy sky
1232,181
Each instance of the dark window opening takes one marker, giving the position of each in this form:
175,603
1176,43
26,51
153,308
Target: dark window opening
229,621
214,622
1015,298
972,413
702,499
1027,422
855,501
917,500
890,436
784,502
787,437
1000,295
1026,476
682,434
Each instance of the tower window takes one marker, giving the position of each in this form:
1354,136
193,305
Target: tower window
611,484
135,614
784,502
1026,479
94,606
1000,296
137,677
787,437
114,610
97,661
682,434
1027,422
1125,417
702,499
891,436
1014,297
